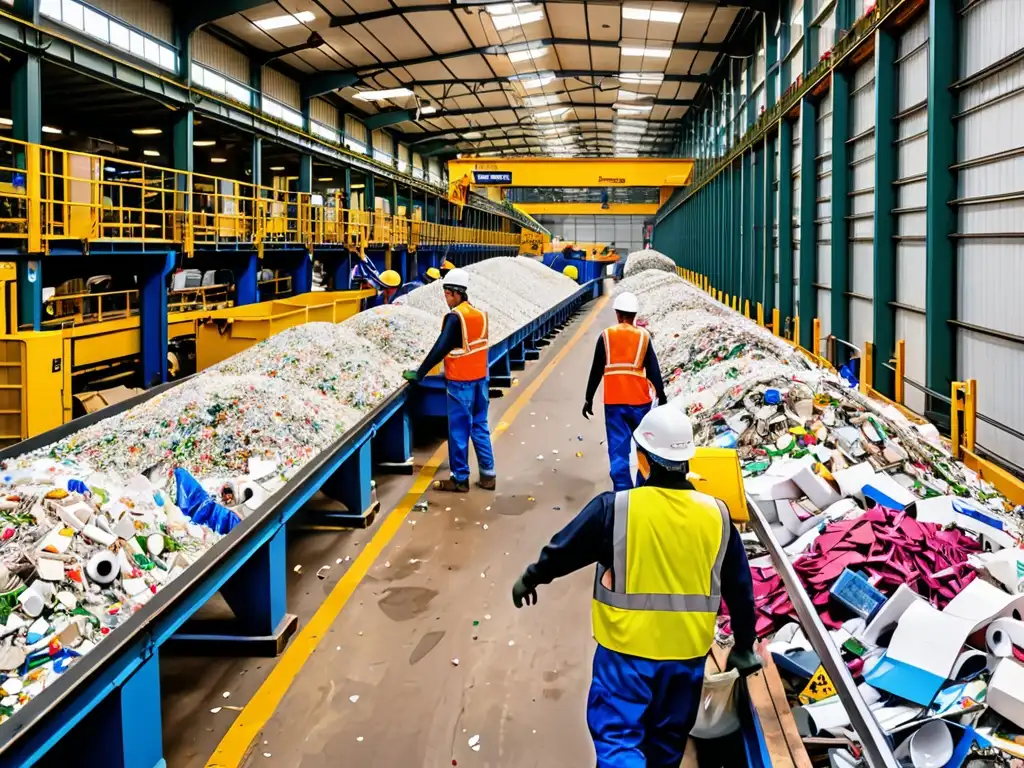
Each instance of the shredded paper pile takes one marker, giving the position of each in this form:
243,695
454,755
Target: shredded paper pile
92,526
911,560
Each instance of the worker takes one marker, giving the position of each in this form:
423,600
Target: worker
571,272
390,283
446,267
463,347
666,558
426,278
625,360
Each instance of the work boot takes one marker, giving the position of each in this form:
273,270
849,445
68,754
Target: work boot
487,482
451,485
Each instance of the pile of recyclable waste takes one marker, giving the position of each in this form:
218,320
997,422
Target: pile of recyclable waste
95,524
911,560
646,260
512,290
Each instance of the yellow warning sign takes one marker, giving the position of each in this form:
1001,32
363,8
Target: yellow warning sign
819,687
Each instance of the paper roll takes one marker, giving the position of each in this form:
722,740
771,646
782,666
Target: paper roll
251,494
102,567
1002,635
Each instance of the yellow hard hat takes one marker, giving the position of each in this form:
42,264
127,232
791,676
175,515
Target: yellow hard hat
390,278
434,273
447,265
571,272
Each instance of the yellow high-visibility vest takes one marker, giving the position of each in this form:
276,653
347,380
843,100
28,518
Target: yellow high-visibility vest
664,593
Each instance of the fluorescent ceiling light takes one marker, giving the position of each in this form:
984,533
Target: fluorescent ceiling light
521,18
288,20
527,54
357,186
147,131
634,112
6,121
218,159
151,153
551,113
654,53
641,77
473,135
389,93
629,129
488,154
429,109
648,14
632,107
277,167
641,123
204,143
633,95
541,101
326,178
48,129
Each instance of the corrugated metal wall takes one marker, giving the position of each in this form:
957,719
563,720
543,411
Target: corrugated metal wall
355,130
324,113
281,88
383,146
219,56
861,157
990,247
795,224
146,15
911,188
823,217
625,233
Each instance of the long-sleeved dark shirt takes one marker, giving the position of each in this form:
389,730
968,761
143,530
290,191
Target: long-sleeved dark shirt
588,540
651,369
450,338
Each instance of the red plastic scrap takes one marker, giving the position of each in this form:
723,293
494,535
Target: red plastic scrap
890,547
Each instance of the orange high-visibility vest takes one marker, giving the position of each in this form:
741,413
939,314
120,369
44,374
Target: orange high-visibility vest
469,362
625,380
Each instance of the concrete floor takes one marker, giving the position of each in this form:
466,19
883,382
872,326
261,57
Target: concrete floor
440,591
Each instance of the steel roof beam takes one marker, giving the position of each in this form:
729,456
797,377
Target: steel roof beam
562,74
196,14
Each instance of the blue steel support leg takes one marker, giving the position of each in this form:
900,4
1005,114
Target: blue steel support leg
517,357
392,445
501,371
302,274
257,595
131,720
351,485
30,293
153,317
247,289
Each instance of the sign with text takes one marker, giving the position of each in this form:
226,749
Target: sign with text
492,177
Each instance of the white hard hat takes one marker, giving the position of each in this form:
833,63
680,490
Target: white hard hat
667,434
457,279
626,302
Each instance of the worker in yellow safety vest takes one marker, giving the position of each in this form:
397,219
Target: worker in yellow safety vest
625,361
463,347
666,558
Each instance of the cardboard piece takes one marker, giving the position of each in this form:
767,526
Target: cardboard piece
884,490
1006,691
914,670
1005,566
981,603
50,569
818,490
90,402
852,479
795,518
889,614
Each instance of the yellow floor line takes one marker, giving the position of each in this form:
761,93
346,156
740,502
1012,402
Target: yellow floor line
261,707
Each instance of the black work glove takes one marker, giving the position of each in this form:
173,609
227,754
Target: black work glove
662,400
521,593
588,410
745,662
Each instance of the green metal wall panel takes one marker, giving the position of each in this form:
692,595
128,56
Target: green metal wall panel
840,209
786,308
808,229
766,285
884,325
757,273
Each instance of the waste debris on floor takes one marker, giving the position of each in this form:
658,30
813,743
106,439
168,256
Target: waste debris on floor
96,524
910,559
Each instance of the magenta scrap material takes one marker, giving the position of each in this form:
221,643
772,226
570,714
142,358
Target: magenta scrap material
889,547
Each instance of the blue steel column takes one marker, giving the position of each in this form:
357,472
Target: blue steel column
27,118
840,210
152,278
302,271
885,221
808,212
247,277
786,308
940,276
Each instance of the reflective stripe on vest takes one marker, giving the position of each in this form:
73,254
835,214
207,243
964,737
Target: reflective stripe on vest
469,362
665,608
625,378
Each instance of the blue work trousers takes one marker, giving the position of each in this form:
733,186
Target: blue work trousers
640,711
468,402
620,422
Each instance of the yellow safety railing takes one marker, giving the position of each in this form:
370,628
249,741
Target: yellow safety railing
49,195
205,297
275,288
82,308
